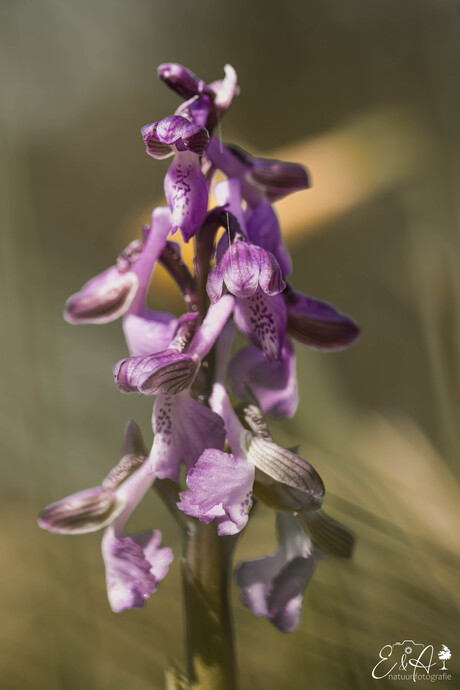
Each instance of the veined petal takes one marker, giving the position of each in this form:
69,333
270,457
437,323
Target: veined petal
149,333
263,319
134,567
286,467
264,229
167,372
318,324
242,269
183,429
219,489
273,586
103,298
187,193
272,383
83,512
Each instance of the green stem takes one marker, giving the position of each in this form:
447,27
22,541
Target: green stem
206,569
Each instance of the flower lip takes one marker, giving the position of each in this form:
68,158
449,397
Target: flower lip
167,372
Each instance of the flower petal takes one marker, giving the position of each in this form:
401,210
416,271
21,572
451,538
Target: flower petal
167,372
225,89
278,179
273,586
183,429
149,333
134,567
220,489
286,467
181,80
318,324
186,191
242,268
103,298
273,383
262,319
153,146
264,229
83,512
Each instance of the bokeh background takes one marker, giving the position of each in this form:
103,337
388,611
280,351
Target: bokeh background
366,95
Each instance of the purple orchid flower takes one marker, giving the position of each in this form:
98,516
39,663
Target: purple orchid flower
134,565
205,103
220,486
273,586
121,288
183,429
173,370
185,185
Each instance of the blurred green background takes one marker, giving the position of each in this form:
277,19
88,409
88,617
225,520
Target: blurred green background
366,94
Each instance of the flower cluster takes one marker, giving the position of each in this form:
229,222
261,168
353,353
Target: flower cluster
239,283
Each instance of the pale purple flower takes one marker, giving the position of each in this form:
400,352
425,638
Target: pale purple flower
273,586
183,429
185,185
134,565
219,490
220,484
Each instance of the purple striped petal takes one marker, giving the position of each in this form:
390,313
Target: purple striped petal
134,567
220,490
183,429
186,191
273,586
243,268
318,324
167,372
103,298
277,179
263,319
272,383
83,512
